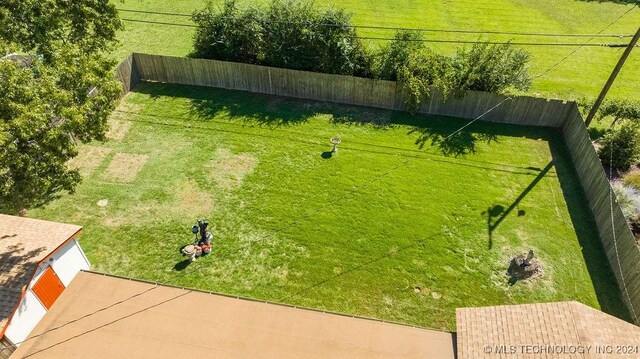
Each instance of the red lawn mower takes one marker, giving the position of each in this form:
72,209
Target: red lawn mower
202,243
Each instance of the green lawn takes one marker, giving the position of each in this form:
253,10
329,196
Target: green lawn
582,74
357,232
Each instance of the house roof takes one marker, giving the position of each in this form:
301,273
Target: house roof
526,328
112,317
25,242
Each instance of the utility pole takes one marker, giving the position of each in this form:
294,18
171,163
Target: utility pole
612,77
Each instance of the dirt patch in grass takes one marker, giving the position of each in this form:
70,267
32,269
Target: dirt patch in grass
193,200
89,159
118,129
124,167
119,124
229,170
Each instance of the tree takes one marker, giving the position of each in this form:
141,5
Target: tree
36,25
288,34
230,34
391,57
61,96
620,110
489,67
45,109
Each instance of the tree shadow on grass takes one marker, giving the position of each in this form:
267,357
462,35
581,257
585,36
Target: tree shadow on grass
250,109
584,225
453,143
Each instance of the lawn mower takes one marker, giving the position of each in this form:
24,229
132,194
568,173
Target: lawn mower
202,243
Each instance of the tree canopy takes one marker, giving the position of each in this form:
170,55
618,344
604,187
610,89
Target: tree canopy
288,34
620,109
37,25
60,97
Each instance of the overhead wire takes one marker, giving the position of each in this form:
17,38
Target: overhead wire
517,43
418,29
542,73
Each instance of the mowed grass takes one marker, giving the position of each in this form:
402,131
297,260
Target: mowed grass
389,227
581,74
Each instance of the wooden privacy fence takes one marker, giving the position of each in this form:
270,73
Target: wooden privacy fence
623,253
127,74
342,89
620,247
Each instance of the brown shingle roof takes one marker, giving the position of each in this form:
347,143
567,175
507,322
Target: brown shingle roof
24,242
527,328
100,316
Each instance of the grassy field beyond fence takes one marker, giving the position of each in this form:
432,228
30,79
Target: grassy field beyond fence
582,74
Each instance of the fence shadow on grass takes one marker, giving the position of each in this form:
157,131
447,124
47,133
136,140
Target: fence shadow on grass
584,225
274,112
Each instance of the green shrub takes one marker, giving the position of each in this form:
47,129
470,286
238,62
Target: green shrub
621,146
489,67
288,34
396,54
296,35
301,37
230,34
484,67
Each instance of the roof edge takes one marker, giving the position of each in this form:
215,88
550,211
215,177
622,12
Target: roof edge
267,302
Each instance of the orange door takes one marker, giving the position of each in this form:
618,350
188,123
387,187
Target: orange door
48,288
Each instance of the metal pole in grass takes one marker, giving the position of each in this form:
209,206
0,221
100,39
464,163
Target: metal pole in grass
612,77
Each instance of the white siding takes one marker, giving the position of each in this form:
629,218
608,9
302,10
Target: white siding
68,261
28,314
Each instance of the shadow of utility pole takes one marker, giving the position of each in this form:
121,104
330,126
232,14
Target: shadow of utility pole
500,213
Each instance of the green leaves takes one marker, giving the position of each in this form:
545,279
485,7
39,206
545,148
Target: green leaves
295,35
621,146
47,104
620,110
36,25
288,34
484,67
491,68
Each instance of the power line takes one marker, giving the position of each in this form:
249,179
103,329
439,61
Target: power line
494,42
426,40
159,23
541,74
409,29
576,50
